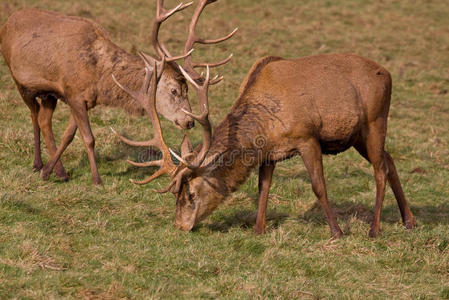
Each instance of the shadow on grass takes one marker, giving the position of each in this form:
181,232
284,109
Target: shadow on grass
133,172
246,219
287,175
438,214
137,154
23,206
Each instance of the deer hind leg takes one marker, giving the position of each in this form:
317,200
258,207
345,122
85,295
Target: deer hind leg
45,115
79,112
30,100
395,184
372,148
312,156
265,176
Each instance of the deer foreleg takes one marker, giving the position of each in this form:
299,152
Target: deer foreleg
79,112
265,176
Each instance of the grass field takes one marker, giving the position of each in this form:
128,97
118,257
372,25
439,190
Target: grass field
72,240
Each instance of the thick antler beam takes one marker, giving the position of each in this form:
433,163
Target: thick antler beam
161,15
147,97
158,173
193,38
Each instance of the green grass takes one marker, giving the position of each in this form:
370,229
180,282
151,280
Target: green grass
72,240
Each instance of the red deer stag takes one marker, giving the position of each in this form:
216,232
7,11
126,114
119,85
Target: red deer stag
52,56
309,106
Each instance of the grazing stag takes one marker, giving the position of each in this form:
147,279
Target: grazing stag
52,56
309,106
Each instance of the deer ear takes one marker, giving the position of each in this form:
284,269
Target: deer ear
150,59
160,64
186,146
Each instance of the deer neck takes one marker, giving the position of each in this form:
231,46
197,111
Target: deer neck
129,71
239,145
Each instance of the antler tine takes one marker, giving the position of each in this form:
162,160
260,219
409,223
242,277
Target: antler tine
182,56
216,41
189,79
203,119
193,38
216,79
153,163
169,13
137,96
146,61
176,181
146,96
125,89
161,15
158,173
130,142
216,64
202,95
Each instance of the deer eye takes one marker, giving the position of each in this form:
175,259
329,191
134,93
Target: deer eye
191,197
174,92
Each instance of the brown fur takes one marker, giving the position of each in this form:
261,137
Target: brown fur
2,30
308,106
53,56
254,72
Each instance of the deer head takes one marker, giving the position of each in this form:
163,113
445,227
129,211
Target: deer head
196,193
172,79
188,179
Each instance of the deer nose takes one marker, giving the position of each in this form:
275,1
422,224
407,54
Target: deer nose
190,124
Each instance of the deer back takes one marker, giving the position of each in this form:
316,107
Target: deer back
331,97
72,56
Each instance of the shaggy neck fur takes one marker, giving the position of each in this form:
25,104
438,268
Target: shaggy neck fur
236,140
129,71
238,137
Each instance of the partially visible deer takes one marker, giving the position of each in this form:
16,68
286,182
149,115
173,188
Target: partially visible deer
52,56
310,106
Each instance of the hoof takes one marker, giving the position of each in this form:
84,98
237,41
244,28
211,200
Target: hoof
337,234
62,175
45,175
258,231
65,178
97,182
37,167
410,224
373,233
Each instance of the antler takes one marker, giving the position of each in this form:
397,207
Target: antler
193,38
187,168
146,96
161,15
203,119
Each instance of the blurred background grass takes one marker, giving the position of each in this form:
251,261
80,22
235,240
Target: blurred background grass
71,240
